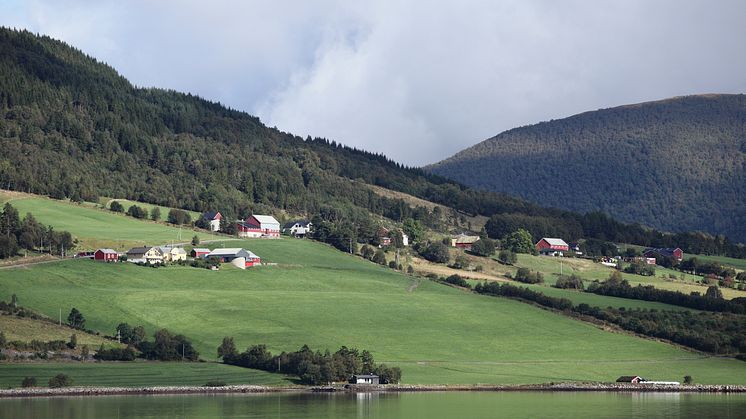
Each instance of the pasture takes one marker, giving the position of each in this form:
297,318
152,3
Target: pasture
324,298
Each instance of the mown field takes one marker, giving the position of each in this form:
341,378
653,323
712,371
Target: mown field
26,330
96,228
325,298
589,271
136,374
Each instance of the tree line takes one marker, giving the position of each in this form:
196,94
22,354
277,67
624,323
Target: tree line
312,368
29,234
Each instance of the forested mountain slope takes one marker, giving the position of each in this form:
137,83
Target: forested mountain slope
676,164
71,127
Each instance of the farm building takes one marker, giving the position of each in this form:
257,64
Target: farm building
229,254
145,254
259,226
173,254
106,255
551,246
462,241
667,252
634,379
297,228
199,252
365,379
213,217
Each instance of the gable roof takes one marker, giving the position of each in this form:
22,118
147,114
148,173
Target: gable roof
233,251
139,250
464,239
628,378
663,251
266,219
554,242
169,249
210,215
107,250
201,250
301,223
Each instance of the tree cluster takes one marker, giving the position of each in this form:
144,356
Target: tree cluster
528,276
29,234
311,367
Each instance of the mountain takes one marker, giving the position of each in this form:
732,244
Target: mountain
677,164
72,127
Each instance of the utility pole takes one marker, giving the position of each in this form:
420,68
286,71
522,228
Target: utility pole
60,316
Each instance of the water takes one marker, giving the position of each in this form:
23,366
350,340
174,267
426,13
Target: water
384,405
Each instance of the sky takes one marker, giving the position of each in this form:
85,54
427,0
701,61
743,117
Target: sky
415,80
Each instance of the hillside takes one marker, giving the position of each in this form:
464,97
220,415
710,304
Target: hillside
324,298
676,164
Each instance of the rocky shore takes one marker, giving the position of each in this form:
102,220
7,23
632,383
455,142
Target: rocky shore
612,387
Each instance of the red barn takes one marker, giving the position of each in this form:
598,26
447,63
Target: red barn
549,244
106,255
199,252
675,253
259,226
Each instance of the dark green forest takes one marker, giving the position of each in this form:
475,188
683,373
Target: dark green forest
676,165
72,127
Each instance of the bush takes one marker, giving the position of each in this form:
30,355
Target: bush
436,252
115,354
137,212
528,277
367,252
569,282
215,383
457,280
392,264
461,262
379,257
116,206
688,379
60,380
507,257
29,382
483,247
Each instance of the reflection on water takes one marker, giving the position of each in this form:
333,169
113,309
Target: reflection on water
384,405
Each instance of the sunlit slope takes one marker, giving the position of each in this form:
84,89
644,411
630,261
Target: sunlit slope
324,298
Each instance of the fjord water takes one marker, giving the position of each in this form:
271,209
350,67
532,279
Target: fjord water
384,405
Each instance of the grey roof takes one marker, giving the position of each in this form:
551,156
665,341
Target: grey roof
201,249
266,219
210,215
139,250
107,250
302,223
237,251
365,376
554,242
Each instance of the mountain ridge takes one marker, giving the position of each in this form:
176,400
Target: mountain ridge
630,153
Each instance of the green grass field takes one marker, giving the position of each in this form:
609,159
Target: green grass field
126,203
590,271
102,228
324,298
137,374
26,330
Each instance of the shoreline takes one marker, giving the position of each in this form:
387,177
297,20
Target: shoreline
351,388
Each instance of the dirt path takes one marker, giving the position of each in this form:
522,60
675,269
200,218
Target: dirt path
31,263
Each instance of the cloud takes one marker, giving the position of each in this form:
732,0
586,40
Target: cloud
415,80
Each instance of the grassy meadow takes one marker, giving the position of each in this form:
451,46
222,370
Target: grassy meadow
25,330
95,227
324,298
319,296
136,374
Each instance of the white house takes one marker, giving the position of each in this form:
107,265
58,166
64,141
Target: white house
213,217
297,228
145,254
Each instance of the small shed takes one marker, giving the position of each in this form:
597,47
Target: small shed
632,379
365,379
106,255
199,252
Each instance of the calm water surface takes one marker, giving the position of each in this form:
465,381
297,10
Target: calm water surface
404,405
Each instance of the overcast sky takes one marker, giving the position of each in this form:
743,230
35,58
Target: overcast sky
416,80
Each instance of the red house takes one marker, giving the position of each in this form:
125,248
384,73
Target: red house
106,255
259,226
552,245
667,252
199,252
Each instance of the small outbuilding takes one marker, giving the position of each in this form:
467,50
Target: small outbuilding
371,379
106,255
199,252
463,241
632,379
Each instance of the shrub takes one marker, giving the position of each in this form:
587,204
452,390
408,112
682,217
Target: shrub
29,382
215,383
457,280
528,277
507,257
483,247
116,206
436,252
688,379
569,282
392,264
379,257
60,380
